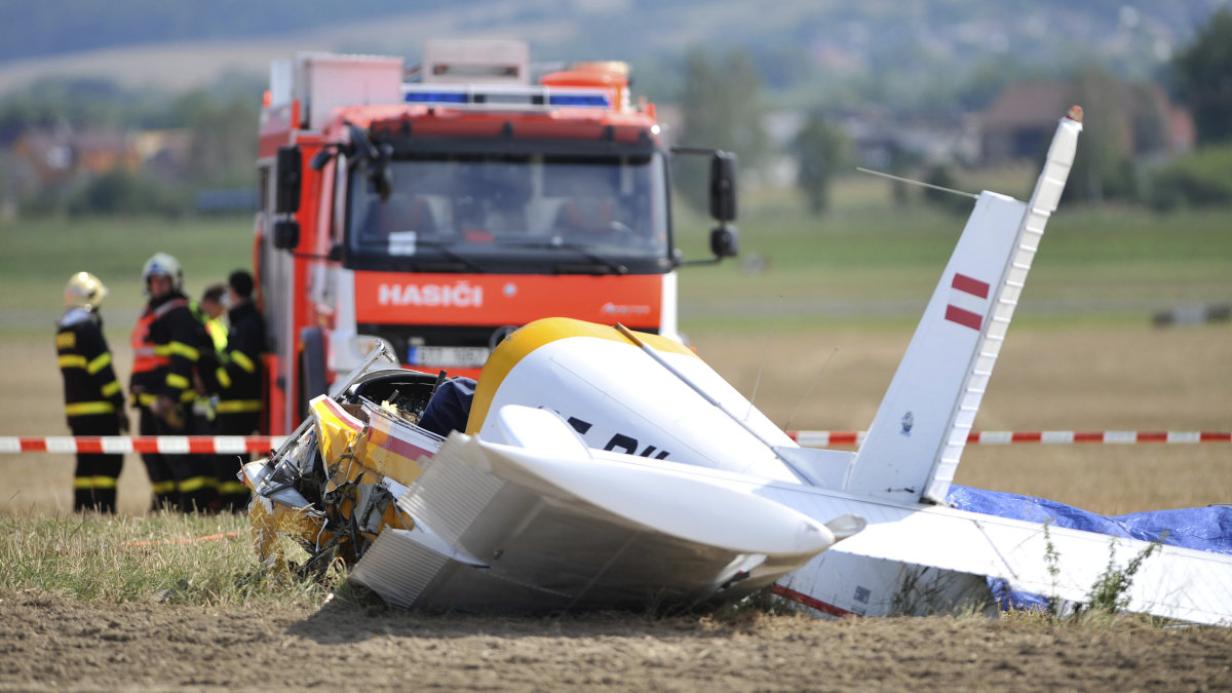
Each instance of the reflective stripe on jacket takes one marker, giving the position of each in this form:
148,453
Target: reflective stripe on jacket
168,342
90,385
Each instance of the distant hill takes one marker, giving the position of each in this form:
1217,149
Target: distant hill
806,49
39,29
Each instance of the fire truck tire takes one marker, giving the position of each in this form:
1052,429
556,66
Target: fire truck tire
312,367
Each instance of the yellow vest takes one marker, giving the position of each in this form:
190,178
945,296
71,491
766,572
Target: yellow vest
218,333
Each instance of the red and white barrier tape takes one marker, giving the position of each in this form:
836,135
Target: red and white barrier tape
238,445
828,439
167,445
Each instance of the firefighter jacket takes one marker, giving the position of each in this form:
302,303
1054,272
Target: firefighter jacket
90,385
167,344
210,360
238,373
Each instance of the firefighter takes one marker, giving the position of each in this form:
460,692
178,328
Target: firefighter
238,381
167,343
211,308
209,312
93,400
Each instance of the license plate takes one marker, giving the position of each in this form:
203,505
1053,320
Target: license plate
448,357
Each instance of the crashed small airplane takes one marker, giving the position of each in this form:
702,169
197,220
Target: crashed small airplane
602,468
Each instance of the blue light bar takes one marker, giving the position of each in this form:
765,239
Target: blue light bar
588,100
435,97
497,98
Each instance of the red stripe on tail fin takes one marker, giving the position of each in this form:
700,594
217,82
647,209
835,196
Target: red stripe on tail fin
970,285
964,317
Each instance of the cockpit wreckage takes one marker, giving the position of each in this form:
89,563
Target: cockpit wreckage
594,467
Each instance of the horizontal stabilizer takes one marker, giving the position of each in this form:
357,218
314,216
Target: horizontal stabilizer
824,468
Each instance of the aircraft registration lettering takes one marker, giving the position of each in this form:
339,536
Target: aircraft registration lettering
619,442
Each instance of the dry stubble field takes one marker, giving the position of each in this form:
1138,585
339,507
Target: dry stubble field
1118,378
1078,378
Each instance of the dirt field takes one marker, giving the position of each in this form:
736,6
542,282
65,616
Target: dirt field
52,643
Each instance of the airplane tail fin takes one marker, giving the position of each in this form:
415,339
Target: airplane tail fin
914,444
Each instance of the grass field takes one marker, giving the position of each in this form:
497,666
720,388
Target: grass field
138,558
865,264
868,264
40,255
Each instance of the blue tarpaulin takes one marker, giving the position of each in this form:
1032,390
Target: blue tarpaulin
1204,529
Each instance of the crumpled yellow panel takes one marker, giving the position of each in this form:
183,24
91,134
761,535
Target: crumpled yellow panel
374,447
271,519
336,429
357,453
385,461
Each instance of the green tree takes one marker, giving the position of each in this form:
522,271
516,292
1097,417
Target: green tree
1201,178
1204,78
124,192
223,126
820,151
721,108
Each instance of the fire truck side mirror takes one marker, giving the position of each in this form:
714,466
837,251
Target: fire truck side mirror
321,158
725,241
287,167
723,187
286,234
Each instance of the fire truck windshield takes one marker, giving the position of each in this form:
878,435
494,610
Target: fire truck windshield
512,212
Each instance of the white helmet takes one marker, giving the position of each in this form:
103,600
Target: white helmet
84,290
165,265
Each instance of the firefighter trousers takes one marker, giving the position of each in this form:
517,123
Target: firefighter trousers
232,492
157,467
94,480
185,482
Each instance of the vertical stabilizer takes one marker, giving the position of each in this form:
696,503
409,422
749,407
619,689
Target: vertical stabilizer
914,443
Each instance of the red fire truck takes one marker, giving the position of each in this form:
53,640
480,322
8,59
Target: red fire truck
439,207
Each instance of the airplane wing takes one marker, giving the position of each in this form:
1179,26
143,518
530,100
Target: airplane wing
1171,582
540,525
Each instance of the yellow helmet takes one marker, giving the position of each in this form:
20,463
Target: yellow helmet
84,290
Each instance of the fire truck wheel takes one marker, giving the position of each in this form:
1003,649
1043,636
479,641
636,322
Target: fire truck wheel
312,367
